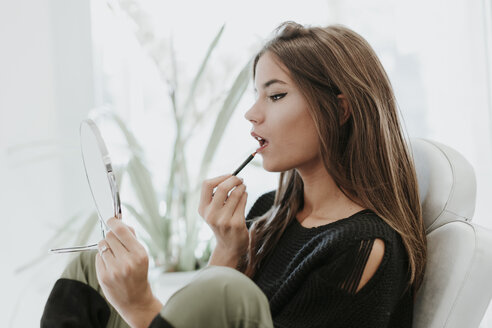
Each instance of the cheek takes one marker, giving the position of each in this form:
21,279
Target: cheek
297,139
302,133
306,142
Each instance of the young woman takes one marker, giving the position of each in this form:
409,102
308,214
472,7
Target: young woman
341,241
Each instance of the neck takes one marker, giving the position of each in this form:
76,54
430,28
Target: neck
322,197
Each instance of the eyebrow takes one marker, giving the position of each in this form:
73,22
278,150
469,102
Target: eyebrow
273,81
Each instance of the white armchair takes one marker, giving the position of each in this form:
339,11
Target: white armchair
457,285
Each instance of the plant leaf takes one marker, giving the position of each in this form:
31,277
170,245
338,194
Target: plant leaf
60,234
145,192
134,145
86,230
230,103
198,76
153,233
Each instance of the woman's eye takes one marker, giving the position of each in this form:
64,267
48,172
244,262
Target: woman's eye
277,96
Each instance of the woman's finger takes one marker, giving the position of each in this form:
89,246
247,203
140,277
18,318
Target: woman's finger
233,200
207,190
100,265
106,254
123,233
223,189
119,250
238,214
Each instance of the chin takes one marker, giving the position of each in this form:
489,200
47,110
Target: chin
275,167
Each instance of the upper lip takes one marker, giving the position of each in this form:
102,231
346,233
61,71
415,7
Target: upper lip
256,136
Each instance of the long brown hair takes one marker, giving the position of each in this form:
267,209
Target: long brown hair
367,156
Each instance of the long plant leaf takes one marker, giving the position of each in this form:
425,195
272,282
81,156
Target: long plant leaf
199,116
87,228
151,231
173,85
132,142
59,235
145,191
140,178
198,76
230,103
228,107
178,148
85,231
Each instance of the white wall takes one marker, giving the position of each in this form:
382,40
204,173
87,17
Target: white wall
45,89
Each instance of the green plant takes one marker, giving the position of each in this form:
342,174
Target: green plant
181,194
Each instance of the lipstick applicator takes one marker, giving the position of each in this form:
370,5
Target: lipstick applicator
250,157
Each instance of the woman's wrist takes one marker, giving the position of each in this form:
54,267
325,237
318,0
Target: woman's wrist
223,257
141,315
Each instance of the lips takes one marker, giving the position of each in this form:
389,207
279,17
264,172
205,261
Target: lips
262,141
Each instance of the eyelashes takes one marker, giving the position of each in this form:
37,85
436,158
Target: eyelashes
273,98
277,97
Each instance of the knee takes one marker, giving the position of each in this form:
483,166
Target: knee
225,281
218,275
220,292
235,292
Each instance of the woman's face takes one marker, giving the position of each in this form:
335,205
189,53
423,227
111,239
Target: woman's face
280,116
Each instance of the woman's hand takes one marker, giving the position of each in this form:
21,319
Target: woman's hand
122,266
225,215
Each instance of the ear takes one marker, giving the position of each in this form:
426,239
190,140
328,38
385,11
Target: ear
344,106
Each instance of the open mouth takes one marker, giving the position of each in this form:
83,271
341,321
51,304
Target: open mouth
263,142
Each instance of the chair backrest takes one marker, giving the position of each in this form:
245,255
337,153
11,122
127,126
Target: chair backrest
457,285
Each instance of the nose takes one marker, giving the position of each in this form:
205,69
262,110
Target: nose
254,114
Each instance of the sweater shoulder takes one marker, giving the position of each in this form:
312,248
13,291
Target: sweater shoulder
350,236
368,225
353,242
361,226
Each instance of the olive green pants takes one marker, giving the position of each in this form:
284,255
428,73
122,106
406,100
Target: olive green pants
216,297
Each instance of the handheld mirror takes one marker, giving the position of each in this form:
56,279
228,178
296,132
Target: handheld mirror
101,179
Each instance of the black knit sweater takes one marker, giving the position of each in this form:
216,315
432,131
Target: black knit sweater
312,274
310,279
